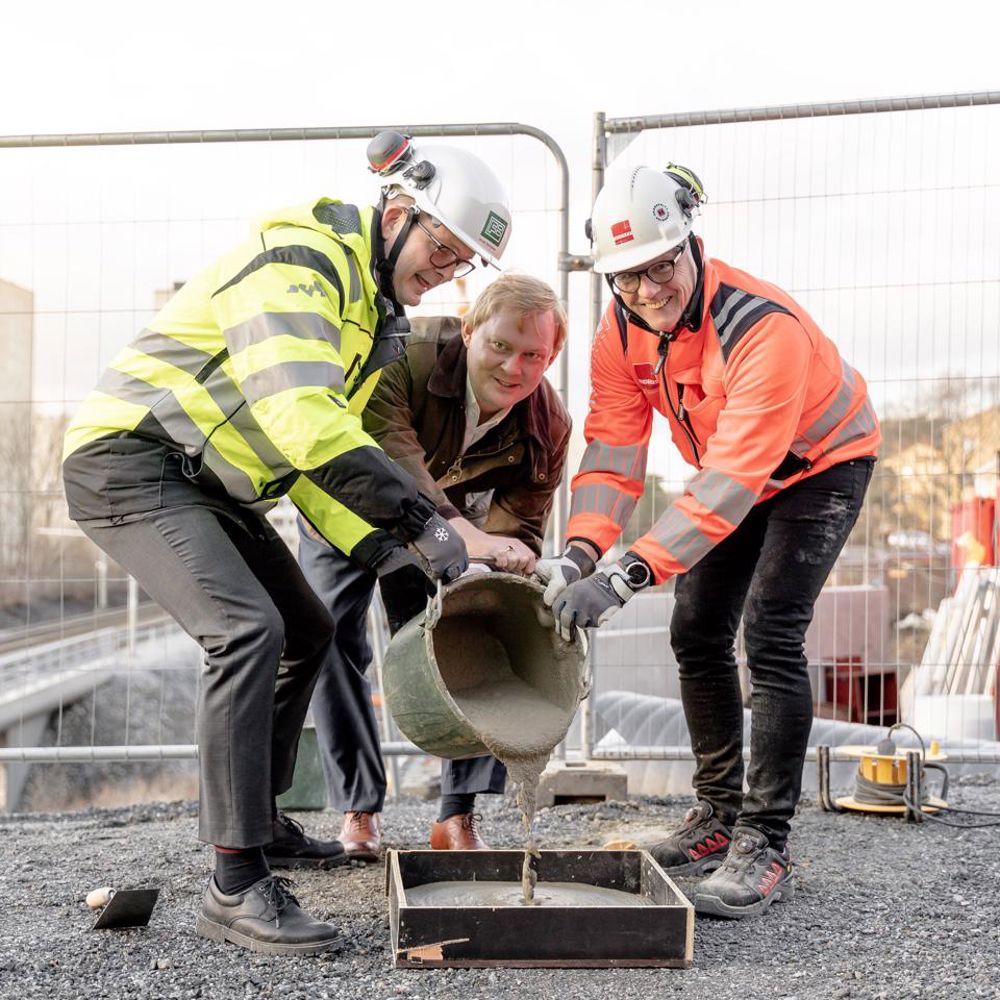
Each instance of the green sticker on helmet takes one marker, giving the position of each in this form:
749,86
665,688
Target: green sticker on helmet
494,229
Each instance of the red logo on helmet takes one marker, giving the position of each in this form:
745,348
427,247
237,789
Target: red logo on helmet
621,232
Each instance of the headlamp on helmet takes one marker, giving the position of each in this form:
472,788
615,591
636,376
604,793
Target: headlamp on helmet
454,187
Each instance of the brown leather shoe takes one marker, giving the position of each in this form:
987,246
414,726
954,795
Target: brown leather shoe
361,835
458,833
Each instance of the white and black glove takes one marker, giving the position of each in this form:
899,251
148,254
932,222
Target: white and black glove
590,603
440,550
557,574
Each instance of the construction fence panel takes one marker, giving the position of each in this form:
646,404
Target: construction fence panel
882,218
96,233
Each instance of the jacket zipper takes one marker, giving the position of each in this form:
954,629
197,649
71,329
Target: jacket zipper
680,414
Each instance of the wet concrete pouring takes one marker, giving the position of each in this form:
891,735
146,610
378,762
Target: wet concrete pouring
514,716
884,909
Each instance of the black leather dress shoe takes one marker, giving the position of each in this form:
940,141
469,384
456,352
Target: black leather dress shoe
267,918
291,848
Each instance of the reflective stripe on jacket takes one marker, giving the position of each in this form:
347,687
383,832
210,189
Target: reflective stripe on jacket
258,369
757,399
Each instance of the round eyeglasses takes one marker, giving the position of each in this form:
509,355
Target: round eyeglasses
443,257
658,272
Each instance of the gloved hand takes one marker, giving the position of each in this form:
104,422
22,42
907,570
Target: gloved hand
590,603
440,550
557,574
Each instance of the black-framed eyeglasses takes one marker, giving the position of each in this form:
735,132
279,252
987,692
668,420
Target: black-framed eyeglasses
658,272
443,256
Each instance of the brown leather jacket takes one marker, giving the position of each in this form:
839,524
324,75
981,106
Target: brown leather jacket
505,482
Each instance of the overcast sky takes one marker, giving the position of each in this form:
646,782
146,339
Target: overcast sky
115,66
221,63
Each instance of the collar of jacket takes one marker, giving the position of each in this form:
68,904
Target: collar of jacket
448,381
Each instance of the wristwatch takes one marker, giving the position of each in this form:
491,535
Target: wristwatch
638,575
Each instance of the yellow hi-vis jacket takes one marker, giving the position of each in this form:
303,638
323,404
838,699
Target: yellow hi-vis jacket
255,374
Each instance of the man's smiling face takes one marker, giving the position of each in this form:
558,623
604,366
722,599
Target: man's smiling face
661,305
508,354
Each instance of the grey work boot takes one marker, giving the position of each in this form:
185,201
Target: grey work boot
265,918
293,848
697,846
753,876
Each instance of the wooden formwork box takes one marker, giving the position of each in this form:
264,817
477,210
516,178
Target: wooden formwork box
657,935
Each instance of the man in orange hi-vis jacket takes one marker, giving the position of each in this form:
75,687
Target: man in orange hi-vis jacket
784,438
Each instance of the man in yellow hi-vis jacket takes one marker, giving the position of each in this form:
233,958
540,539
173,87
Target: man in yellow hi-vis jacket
248,386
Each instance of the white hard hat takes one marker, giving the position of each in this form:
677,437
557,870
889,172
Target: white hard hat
642,213
455,187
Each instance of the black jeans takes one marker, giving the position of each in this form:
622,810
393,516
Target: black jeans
771,570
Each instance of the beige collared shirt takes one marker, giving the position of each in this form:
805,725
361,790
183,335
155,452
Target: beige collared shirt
474,430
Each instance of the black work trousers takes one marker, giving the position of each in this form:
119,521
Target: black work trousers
235,588
346,727
770,570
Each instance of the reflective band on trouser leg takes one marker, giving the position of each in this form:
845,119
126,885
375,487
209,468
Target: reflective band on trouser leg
722,495
625,460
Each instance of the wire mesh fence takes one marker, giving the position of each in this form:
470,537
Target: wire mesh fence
881,218
96,233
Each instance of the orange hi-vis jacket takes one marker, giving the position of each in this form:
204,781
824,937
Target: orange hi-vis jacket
757,398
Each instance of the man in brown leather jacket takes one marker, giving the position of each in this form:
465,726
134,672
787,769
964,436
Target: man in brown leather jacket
469,415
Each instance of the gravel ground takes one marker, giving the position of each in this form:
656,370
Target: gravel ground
884,909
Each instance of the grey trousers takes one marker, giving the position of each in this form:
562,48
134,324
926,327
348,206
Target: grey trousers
235,588
346,727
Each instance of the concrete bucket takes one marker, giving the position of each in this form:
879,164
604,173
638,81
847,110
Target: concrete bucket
482,671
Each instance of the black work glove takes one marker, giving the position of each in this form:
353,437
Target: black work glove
440,550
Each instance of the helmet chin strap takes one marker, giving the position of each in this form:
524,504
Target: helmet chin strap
690,318
385,265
